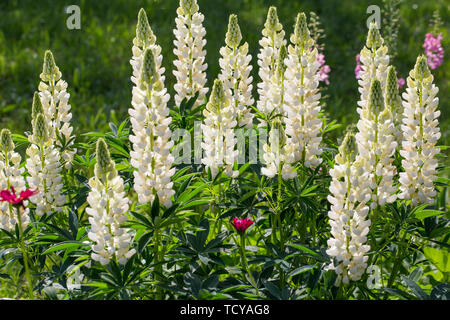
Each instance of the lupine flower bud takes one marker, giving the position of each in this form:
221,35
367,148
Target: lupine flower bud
149,67
233,36
272,23
103,156
421,69
281,65
376,101
187,5
301,31
6,141
391,91
349,146
218,94
49,69
40,129
374,40
144,33
36,107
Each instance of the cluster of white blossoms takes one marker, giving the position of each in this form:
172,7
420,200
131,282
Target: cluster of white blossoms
235,74
190,62
376,146
302,97
350,193
44,164
107,209
278,156
149,117
271,42
394,103
11,176
219,140
55,102
374,60
420,135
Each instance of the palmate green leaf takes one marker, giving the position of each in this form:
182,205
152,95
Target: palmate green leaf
65,245
197,202
190,193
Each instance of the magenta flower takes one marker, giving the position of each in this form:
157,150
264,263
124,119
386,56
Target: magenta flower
324,69
358,67
433,50
10,196
241,224
401,82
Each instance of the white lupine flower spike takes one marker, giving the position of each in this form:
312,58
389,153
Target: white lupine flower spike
11,176
44,167
271,42
219,141
374,60
235,73
350,193
149,117
56,107
420,135
189,48
277,154
303,125
377,145
107,210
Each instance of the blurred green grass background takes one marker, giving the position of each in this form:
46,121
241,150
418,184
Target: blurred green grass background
95,59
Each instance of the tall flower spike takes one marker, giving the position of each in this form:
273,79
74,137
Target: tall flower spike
277,154
394,103
107,210
219,140
235,74
348,215
302,107
189,48
44,168
268,60
11,176
54,99
376,145
420,135
149,117
374,60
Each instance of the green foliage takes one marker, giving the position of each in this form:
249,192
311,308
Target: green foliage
190,250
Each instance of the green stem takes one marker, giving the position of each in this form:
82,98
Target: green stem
25,254
245,264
